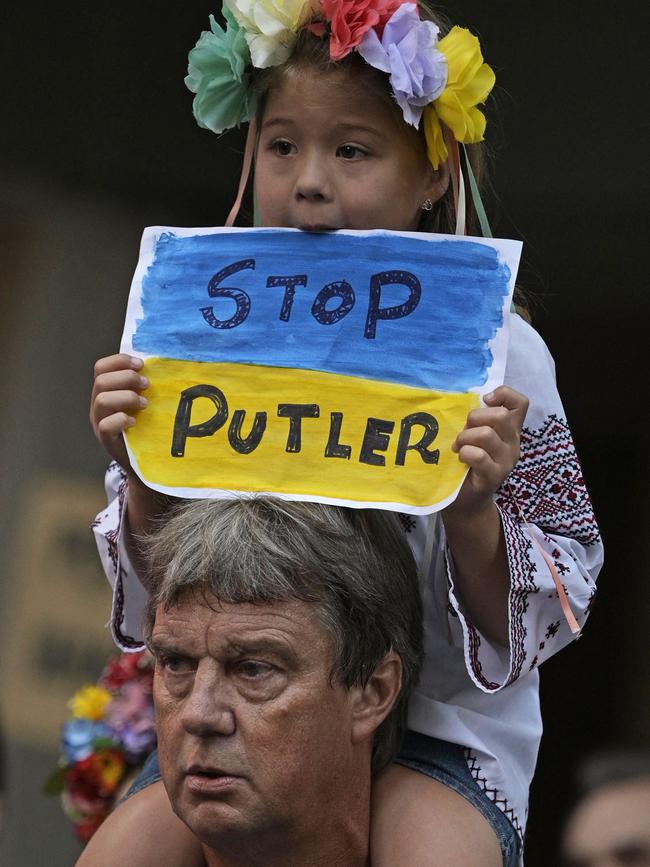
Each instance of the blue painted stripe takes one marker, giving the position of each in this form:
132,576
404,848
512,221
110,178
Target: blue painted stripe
442,344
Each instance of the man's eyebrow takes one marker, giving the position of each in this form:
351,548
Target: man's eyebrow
243,647
165,645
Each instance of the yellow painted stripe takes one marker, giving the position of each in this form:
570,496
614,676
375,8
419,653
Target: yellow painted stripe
210,462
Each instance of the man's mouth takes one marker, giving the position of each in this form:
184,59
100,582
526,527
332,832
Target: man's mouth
208,781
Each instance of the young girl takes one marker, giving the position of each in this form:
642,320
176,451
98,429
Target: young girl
359,110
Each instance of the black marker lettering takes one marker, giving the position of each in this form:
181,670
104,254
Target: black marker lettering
182,427
430,432
377,436
377,312
246,445
295,412
335,449
290,284
341,290
240,297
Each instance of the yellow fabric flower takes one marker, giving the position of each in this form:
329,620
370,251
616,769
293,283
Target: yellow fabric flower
469,81
108,766
90,702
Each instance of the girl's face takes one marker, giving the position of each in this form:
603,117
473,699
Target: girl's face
332,156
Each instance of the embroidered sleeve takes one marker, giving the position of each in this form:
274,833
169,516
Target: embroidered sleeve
547,489
129,596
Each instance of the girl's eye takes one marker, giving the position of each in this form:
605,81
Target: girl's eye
351,152
282,147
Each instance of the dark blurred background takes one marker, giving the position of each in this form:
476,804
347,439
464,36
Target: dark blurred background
97,141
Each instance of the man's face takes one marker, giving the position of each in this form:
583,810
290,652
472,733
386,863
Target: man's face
611,828
252,736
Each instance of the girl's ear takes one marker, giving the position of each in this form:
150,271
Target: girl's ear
438,182
372,703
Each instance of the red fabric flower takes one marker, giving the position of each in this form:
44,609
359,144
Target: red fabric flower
350,19
126,667
96,776
87,827
82,792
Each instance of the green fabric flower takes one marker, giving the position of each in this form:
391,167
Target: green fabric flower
218,75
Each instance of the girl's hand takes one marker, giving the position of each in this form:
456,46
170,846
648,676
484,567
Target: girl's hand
489,445
114,401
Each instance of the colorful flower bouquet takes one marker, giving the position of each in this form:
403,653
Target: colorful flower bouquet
111,732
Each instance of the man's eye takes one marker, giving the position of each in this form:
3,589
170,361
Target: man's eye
176,664
283,148
253,670
351,152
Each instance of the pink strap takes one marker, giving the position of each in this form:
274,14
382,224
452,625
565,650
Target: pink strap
457,182
564,602
245,171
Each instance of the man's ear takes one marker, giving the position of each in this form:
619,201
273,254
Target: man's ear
372,703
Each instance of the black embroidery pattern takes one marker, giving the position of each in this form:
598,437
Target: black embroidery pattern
407,522
493,793
522,569
548,486
125,641
111,536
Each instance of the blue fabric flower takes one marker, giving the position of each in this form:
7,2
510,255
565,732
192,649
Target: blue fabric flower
218,74
79,736
138,741
418,71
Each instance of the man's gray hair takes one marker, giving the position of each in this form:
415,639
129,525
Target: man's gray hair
353,565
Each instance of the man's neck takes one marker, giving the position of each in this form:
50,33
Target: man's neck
338,838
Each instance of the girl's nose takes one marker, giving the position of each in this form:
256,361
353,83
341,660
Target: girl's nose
313,183
206,709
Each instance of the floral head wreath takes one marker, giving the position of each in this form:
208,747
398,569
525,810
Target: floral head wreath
437,83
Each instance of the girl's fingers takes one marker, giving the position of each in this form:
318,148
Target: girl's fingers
497,417
119,380
113,426
485,436
487,439
512,400
121,361
111,402
486,473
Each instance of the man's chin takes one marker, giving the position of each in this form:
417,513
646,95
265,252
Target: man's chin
212,810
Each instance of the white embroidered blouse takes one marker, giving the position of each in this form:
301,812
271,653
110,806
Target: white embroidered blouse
472,692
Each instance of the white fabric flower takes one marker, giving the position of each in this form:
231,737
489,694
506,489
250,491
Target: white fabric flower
270,27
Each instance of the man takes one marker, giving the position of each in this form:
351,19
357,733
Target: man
610,826
287,637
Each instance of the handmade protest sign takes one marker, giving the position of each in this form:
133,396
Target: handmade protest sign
334,367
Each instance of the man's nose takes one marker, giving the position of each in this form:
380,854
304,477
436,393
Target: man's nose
207,710
313,182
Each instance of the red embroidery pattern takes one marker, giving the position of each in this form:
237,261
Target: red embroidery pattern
548,486
474,643
493,793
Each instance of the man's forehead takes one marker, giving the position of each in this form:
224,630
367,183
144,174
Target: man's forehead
197,619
